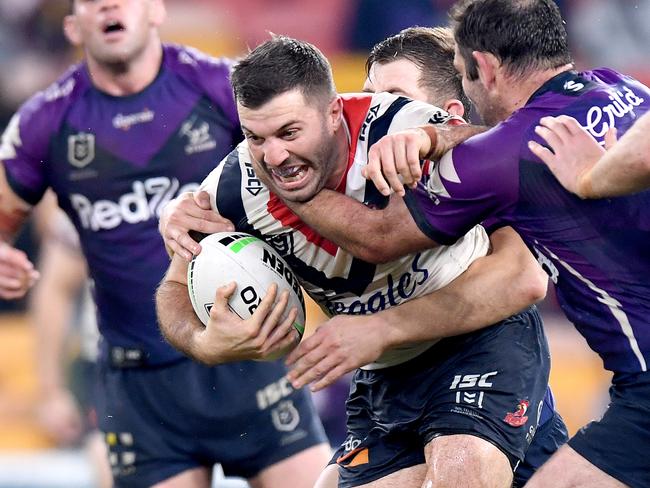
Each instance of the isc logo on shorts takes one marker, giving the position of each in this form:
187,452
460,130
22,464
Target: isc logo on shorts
463,382
472,380
273,393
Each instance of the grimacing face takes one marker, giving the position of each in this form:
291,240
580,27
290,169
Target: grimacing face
399,77
292,140
113,31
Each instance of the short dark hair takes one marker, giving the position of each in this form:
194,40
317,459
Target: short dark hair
279,65
431,49
524,35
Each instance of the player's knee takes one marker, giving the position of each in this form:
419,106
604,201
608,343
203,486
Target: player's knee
456,461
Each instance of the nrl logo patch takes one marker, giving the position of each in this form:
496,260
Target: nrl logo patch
81,149
285,416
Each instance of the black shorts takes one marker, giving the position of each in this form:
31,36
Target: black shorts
619,443
161,421
490,383
550,436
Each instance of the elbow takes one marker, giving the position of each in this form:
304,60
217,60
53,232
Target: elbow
376,251
534,284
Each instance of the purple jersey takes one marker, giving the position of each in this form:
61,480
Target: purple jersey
596,251
113,163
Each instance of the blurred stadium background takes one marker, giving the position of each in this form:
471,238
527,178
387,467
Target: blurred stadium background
33,52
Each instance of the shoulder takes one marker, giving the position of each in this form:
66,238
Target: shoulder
205,73
233,179
375,105
191,62
235,191
41,115
371,116
46,108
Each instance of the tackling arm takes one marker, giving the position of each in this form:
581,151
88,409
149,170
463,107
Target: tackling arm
394,160
374,235
493,288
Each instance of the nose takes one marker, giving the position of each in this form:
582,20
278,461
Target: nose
274,152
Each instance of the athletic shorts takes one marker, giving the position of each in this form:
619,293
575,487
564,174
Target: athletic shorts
490,383
161,421
550,436
619,443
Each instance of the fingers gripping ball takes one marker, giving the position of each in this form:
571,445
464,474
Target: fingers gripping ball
250,262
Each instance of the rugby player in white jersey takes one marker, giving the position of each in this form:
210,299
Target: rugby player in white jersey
443,424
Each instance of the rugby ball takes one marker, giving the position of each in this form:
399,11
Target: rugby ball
234,256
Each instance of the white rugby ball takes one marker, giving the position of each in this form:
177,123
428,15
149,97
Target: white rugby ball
250,262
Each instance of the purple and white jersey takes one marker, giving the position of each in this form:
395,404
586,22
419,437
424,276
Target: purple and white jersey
597,252
114,162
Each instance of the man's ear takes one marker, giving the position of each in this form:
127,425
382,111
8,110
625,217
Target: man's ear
488,67
71,30
158,13
454,107
335,111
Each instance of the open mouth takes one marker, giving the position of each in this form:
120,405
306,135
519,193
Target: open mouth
113,26
290,176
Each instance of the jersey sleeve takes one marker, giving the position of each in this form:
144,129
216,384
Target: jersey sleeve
414,113
24,150
224,185
476,180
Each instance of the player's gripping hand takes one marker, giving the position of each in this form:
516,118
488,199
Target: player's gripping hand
17,273
340,345
264,336
394,160
573,151
190,211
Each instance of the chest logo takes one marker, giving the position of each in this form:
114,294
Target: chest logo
124,122
198,136
81,149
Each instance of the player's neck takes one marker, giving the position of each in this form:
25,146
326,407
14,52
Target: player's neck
341,153
522,89
123,79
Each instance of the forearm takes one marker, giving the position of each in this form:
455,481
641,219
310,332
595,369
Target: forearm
493,288
51,310
178,323
623,169
51,317
373,235
442,138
